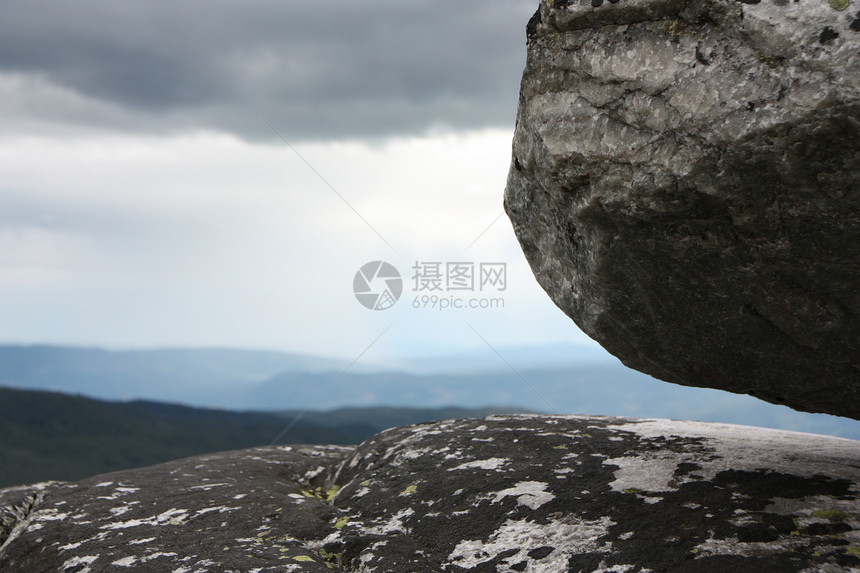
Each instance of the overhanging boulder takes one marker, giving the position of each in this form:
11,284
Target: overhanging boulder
685,184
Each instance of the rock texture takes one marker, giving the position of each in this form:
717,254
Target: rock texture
511,493
685,184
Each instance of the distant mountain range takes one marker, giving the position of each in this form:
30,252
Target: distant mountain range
174,375
52,436
609,389
549,379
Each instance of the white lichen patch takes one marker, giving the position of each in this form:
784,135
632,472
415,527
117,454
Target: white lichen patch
258,459
353,461
362,491
366,556
117,511
219,509
172,516
646,472
85,560
207,486
567,537
118,492
394,524
50,515
751,449
157,555
487,464
531,494
604,568
69,546
414,453
311,474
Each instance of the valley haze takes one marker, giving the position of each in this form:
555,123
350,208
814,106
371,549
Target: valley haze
554,379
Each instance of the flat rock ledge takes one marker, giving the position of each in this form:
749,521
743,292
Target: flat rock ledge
502,494
685,184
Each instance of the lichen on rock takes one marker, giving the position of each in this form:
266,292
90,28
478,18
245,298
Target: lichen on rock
574,493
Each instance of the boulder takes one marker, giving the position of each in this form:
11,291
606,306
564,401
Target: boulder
685,184
233,511
504,493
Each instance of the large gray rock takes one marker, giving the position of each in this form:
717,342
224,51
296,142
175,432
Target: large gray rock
685,184
501,494
234,511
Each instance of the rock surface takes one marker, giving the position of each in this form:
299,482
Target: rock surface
505,493
685,184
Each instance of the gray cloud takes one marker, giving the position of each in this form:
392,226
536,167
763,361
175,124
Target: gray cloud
343,68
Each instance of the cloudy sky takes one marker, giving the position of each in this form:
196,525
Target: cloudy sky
215,173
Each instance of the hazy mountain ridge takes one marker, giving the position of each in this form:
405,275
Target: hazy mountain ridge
171,374
596,389
270,381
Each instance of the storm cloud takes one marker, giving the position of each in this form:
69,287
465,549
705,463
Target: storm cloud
338,69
